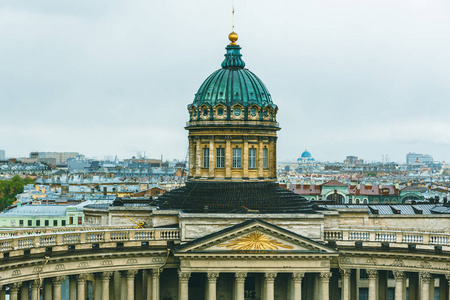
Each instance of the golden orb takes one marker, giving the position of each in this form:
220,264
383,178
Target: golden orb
233,37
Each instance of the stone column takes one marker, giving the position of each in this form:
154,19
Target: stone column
296,291
123,285
81,286
191,156
72,288
212,155
273,156
373,277
425,277
106,276
228,157
245,158
399,281
155,284
239,285
212,281
47,289
130,283
25,291
260,158
14,290
2,293
198,166
324,279
345,280
183,289
270,281
431,290
57,281
35,286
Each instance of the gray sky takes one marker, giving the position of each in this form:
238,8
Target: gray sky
350,77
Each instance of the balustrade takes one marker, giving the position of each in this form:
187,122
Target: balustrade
392,236
16,241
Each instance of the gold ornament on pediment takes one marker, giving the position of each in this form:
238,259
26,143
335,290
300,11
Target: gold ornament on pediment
255,241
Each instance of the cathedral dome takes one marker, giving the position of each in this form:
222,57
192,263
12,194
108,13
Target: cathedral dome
306,154
232,90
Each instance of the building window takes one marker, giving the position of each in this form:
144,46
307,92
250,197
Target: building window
46,222
38,223
236,157
70,220
30,223
55,222
252,158
80,220
20,222
220,158
363,293
63,222
265,158
205,157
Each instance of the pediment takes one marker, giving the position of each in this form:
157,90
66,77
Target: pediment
253,236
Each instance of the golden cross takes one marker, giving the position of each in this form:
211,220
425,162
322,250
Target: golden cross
233,19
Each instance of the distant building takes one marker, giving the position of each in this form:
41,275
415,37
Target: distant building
2,155
42,216
305,157
60,157
353,160
417,158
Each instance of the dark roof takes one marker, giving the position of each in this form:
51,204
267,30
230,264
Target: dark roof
234,197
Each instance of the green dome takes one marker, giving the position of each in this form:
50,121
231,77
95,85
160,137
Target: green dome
233,84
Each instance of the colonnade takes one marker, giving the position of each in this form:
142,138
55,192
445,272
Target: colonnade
121,285
105,286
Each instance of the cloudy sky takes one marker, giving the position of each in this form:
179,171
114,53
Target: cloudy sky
104,77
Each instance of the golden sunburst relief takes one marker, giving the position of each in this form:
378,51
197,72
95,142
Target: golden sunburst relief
255,241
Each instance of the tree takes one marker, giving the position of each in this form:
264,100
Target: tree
10,188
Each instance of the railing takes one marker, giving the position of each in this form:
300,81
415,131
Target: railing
26,239
386,235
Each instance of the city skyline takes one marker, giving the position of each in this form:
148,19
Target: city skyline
350,78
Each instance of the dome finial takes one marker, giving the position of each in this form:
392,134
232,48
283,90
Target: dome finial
233,37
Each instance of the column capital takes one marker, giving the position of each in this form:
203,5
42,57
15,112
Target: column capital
155,273
35,284
346,272
447,276
14,288
184,276
298,276
212,276
130,273
58,280
425,276
81,278
399,275
372,273
228,137
106,275
325,275
240,276
270,276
